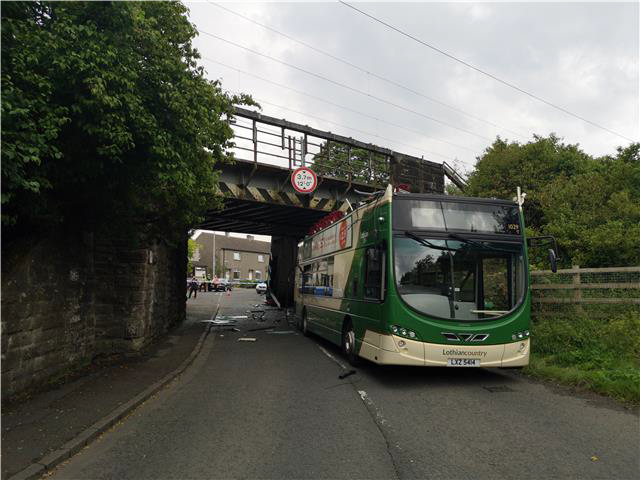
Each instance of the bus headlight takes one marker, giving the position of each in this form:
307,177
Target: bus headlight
520,335
404,332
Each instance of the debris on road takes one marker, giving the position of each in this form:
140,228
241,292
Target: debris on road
281,332
345,375
220,322
258,315
247,339
260,328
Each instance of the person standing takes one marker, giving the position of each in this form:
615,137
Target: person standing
193,287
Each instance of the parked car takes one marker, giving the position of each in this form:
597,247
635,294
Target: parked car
261,288
223,285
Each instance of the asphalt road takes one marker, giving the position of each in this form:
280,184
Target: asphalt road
275,408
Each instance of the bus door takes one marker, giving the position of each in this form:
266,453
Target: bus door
374,287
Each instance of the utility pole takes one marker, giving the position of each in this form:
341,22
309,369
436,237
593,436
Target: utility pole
213,257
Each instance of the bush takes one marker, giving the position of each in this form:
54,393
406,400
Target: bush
594,352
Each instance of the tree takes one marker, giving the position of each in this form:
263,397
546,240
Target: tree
340,161
192,248
107,117
596,214
592,206
531,166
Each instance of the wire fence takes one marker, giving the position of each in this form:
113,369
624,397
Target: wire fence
599,292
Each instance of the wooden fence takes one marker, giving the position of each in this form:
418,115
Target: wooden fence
579,290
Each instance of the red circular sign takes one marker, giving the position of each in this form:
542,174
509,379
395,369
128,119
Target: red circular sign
304,180
342,236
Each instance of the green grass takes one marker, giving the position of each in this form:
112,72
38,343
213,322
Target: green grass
600,354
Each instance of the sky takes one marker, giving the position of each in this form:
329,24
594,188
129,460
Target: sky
583,57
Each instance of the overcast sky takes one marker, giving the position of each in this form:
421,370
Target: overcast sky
583,57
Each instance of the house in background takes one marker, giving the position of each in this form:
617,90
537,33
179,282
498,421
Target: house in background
236,258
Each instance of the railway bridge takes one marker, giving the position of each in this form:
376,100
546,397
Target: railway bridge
260,199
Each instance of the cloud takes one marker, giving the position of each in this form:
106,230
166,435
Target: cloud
583,57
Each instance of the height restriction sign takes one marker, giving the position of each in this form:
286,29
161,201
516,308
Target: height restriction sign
304,180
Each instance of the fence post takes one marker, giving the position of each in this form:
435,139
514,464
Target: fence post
577,291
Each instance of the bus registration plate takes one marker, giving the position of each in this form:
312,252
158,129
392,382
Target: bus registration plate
463,362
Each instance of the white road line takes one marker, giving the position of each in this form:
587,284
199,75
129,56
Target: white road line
328,354
215,310
367,400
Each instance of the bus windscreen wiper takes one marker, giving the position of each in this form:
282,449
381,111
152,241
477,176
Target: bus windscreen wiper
427,243
455,236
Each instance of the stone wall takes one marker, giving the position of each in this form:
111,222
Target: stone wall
68,298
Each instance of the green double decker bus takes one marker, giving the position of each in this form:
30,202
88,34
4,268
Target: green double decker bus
420,279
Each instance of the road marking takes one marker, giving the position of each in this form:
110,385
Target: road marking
385,428
367,400
215,310
328,354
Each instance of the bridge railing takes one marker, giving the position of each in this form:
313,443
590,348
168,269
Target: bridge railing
263,139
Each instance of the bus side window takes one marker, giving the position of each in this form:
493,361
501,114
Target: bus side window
374,264
307,282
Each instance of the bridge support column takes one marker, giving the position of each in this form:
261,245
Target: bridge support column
284,253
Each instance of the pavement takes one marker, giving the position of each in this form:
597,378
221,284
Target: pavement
38,426
260,400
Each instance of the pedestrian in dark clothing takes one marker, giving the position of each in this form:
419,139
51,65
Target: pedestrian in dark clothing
193,287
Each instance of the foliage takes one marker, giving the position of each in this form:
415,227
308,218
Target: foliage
592,206
596,214
589,351
531,166
106,116
192,247
341,161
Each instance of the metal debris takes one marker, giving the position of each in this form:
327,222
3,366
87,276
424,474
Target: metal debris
220,322
260,328
345,375
247,339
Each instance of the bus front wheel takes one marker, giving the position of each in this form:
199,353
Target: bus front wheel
349,343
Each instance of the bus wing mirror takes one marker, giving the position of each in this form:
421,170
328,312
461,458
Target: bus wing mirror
552,252
553,261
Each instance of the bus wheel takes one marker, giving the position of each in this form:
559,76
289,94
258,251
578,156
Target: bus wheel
305,324
349,344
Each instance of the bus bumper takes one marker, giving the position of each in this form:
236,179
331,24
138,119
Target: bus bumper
395,350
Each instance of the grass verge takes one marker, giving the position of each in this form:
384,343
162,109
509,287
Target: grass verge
600,354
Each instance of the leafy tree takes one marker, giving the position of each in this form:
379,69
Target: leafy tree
340,161
106,116
192,247
531,166
592,206
596,214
